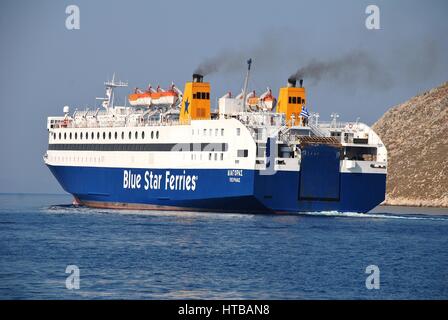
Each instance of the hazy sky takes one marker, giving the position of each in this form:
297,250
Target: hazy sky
44,66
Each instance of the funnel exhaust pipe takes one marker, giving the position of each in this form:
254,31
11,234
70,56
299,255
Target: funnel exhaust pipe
291,82
198,77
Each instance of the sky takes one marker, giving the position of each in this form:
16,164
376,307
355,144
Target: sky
45,66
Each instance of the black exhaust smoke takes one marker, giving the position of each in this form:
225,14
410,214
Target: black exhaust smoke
351,67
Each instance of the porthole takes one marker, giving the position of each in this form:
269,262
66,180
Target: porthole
70,136
92,135
143,134
222,132
60,135
122,135
110,135
98,135
65,135
136,135
152,134
116,135
222,156
130,135
76,135
216,156
157,134
87,136
80,136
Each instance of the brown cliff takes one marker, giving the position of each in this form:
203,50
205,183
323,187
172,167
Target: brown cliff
416,136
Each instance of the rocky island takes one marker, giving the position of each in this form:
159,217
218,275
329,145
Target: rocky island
416,136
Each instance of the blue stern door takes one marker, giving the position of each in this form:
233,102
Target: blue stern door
319,173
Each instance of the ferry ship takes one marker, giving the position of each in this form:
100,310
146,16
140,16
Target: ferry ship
167,150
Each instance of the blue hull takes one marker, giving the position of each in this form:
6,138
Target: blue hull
222,190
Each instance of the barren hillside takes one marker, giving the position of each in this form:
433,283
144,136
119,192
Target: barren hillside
416,137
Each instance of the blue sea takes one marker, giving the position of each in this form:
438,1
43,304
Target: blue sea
189,255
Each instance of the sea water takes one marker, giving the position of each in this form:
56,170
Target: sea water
51,249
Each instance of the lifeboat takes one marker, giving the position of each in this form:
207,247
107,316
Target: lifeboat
267,100
252,100
153,97
264,102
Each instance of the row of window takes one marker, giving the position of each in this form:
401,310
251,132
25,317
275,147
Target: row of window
137,135
81,159
211,156
152,147
296,100
92,136
201,95
210,132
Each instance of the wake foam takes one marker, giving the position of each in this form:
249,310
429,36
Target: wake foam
74,209
370,215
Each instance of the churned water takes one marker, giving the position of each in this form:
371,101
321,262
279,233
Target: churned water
166,255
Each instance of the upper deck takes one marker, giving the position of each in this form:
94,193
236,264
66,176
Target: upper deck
246,125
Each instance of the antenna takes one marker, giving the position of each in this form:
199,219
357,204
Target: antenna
246,82
108,101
